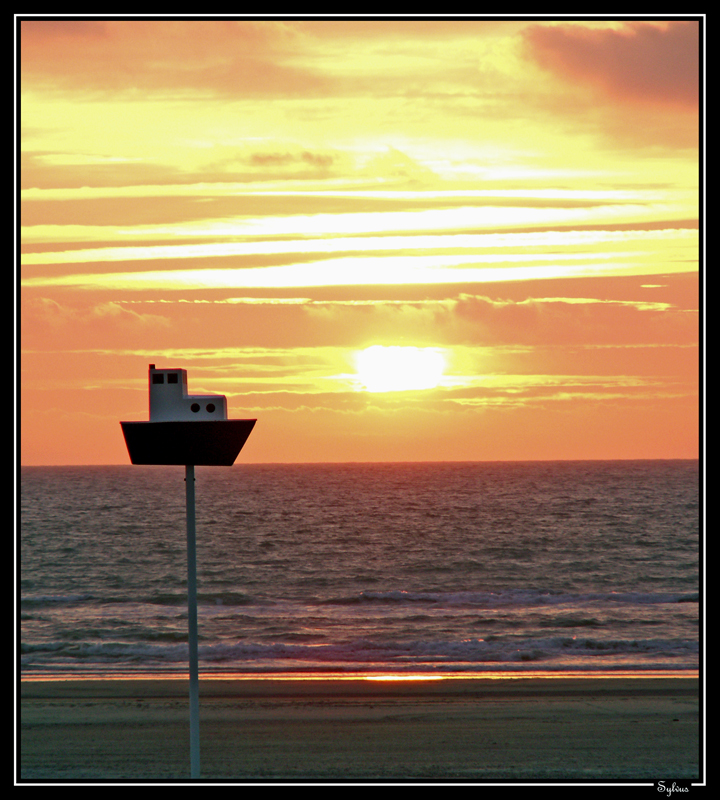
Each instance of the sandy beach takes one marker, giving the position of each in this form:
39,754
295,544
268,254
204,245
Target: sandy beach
530,729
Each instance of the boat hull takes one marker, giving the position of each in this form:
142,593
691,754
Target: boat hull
200,443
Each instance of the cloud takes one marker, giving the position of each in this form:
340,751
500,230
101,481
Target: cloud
273,159
231,57
46,311
239,58
124,316
632,86
570,321
403,29
50,170
640,62
45,318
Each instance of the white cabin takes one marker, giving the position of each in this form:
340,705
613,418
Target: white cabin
170,401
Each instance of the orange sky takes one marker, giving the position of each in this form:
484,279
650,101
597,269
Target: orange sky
260,201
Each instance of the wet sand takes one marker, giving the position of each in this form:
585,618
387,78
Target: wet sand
478,730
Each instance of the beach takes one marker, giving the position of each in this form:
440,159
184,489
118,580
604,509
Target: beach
345,730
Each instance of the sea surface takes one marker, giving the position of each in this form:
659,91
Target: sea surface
362,569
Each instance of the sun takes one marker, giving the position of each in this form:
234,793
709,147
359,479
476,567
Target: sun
399,369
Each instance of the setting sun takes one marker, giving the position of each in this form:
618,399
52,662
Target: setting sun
399,369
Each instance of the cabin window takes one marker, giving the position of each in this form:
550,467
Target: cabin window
158,377
210,407
195,408
172,377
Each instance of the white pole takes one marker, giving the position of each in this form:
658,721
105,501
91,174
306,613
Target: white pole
192,624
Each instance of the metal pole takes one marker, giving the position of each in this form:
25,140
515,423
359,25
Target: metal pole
192,624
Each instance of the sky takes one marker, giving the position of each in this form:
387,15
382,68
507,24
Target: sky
385,240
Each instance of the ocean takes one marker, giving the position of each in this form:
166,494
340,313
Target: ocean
436,569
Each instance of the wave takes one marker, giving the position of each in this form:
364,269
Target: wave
29,601
178,598
554,652
505,599
512,597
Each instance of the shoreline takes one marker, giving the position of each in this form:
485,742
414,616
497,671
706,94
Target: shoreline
355,729
347,675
